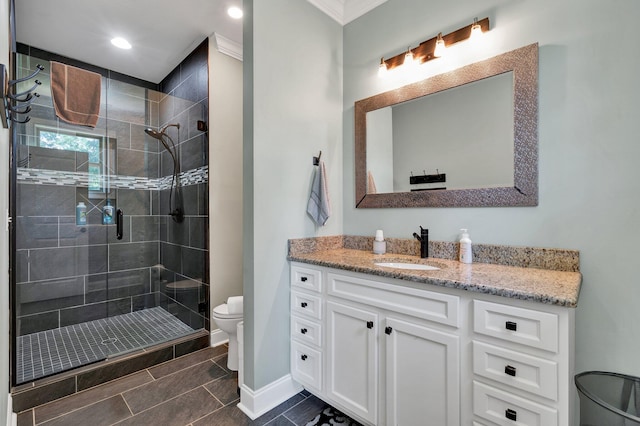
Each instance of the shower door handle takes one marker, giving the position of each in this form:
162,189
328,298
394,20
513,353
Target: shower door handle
119,223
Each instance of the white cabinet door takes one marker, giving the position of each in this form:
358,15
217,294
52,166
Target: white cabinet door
352,364
423,375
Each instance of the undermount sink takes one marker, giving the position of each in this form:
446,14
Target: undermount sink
403,265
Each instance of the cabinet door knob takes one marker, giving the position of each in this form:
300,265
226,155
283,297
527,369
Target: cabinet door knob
510,325
303,304
369,325
303,330
510,370
511,414
303,357
303,279
388,330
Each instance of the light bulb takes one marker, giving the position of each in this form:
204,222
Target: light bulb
121,43
476,30
409,60
440,49
382,69
235,12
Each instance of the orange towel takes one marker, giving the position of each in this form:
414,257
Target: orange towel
76,94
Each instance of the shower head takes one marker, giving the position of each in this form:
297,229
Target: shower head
159,134
154,133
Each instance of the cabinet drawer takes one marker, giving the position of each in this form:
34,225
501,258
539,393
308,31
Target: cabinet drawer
306,278
437,307
306,365
506,409
306,304
306,331
527,327
529,373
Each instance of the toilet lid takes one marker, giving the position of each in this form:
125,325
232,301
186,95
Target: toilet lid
222,311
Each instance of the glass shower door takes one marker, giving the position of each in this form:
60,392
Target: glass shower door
62,236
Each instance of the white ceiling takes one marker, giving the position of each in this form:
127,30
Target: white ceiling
162,32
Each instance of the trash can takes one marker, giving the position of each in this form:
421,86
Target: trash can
608,399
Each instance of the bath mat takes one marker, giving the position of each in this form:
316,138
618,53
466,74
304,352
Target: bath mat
332,417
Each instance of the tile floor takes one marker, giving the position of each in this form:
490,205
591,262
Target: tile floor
193,390
48,352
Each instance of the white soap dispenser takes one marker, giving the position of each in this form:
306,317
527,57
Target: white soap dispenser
466,255
379,244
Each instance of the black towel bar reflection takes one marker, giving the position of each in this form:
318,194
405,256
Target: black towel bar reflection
119,223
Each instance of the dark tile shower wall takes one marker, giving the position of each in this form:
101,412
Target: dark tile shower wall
184,246
67,274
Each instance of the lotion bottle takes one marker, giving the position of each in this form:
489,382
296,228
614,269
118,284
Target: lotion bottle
107,213
466,255
379,244
81,214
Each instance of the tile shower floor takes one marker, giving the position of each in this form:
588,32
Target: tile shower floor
193,390
52,351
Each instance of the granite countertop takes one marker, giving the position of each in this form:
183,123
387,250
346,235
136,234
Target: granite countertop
538,285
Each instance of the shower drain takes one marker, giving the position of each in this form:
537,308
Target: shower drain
109,341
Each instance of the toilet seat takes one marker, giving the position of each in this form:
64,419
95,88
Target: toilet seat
222,311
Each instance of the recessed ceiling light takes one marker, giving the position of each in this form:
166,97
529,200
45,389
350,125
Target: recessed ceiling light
121,43
235,12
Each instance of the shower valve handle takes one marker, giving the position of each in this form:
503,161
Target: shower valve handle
119,223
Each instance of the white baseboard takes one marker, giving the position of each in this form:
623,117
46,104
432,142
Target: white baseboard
256,403
218,337
12,418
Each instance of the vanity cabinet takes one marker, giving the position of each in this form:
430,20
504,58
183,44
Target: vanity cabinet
393,352
422,374
352,359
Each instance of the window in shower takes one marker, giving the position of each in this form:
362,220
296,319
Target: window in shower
95,146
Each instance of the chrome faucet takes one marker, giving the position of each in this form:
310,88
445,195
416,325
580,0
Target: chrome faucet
424,242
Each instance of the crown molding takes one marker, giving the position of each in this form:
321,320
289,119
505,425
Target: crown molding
345,11
228,46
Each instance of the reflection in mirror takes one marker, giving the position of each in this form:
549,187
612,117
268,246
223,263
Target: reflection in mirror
422,137
461,139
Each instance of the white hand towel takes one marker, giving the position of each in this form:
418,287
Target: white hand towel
371,184
319,206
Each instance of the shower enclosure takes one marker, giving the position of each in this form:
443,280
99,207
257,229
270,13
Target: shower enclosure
80,294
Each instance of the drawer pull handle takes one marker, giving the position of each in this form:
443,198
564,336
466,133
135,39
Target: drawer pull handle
369,325
388,330
303,330
303,304
303,279
511,414
510,325
303,357
510,370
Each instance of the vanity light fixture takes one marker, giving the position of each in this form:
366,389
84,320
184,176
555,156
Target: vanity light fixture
426,51
440,48
382,69
409,59
476,30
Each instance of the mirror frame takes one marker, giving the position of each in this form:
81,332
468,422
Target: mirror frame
523,62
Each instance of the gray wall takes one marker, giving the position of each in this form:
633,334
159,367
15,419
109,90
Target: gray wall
588,148
292,65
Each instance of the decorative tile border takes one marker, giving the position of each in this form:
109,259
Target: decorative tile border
81,179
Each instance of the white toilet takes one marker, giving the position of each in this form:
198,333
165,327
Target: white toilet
227,316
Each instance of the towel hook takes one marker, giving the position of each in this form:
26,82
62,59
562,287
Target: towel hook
12,103
316,160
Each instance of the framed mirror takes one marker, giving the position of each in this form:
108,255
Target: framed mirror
465,138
